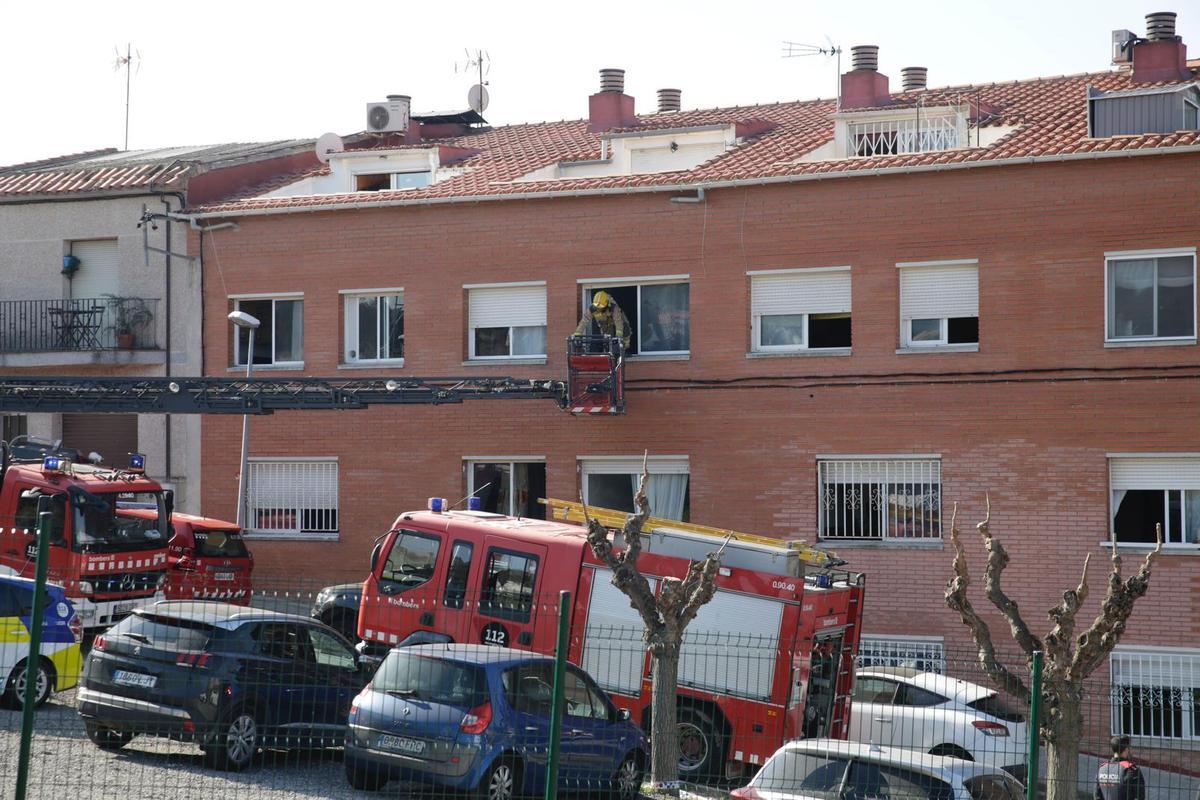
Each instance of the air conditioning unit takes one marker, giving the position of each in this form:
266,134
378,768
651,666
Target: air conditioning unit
390,116
1122,46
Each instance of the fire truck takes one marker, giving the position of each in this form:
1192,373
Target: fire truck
108,563
768,659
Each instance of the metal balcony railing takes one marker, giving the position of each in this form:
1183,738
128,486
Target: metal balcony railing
78,324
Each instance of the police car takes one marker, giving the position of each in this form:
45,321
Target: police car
60,661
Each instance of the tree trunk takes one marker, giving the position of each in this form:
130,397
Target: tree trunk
1062,753
664,731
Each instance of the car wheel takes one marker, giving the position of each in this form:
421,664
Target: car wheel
952,750
501,781
106,738
701,752
627,782
365,777
14,694
236,744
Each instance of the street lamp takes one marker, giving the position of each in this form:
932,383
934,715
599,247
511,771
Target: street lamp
241,319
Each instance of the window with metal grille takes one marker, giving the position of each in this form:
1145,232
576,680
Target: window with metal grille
1156,692
924,653
293,497
915,134
880,498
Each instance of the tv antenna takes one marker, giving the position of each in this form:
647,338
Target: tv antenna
799,49
127,62
478,63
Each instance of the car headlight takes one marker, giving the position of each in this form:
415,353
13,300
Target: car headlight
86,587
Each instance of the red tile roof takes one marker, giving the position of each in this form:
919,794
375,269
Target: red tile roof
1049,115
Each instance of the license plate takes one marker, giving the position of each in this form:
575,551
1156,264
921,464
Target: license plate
123,608
223,576
401,744
134,679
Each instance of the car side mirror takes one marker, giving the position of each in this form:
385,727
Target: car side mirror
169,502
375,551
623,715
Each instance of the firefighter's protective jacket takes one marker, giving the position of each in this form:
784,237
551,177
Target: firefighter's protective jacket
616,325
1120,780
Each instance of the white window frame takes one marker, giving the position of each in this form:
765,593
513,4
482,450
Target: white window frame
1142,255
1171,538
632,465
883,650
595,284
327,464
350,298
1142,663
238,299
895,468
756,345
469,463
471,355
907,319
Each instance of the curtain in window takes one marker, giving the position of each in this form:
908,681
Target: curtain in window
666,494
1191,517
1132,311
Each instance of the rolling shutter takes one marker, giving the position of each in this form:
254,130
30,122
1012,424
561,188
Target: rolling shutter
613,651
99,266
501,307
939,292
660,465
113,436
1155,473
826,292
732,645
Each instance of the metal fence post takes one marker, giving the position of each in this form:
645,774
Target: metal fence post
33,661
556,708
1035,720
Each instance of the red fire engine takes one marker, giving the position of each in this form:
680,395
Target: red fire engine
767,660
108,562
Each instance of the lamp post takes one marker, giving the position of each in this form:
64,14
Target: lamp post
241,319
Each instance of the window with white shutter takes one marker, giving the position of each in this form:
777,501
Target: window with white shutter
1148,491
507,321
99,269
289,498
939,304
611,481
800,309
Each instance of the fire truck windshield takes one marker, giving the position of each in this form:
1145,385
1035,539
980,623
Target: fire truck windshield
100,528
410,562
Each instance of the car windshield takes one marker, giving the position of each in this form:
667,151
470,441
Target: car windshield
999,707
164,633
219,543
433,679
411,561
99,525
809,774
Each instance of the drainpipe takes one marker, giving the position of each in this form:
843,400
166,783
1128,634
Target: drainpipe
163,198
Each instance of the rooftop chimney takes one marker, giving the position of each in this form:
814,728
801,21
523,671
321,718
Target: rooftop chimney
913,78
610,107
864,86
1161,56
669,100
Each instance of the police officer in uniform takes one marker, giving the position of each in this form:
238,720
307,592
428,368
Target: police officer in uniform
1119,777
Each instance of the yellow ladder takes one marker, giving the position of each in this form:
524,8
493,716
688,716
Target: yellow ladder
569,511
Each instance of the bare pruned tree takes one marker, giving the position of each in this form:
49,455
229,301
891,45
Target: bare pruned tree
1068,659
665,617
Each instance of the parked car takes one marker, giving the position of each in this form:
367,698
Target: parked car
207,558
833,769
905,707
228,678
478,717
60,659
337,607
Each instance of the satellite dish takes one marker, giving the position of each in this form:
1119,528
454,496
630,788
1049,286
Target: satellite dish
477,98
328,143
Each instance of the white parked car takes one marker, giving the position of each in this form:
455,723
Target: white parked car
936,714
833,769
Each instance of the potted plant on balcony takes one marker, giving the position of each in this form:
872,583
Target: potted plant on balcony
130,316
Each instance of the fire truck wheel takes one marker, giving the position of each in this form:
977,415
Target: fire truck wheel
14,694
106,738
701,751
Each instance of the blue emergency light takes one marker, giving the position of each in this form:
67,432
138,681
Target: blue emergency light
824,581
437,504
52,464
137,462
474,504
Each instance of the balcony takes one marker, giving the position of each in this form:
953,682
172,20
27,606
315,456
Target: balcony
79,331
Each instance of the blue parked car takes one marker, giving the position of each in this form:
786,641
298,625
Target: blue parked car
478,718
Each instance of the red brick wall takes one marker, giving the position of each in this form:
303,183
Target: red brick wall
1037,445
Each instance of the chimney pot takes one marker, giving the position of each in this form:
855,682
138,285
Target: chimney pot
1160,26
913,78
399,98
669,100
864,56
612,80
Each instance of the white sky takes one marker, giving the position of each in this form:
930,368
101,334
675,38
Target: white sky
214,71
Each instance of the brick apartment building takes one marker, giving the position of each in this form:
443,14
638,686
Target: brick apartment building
846,321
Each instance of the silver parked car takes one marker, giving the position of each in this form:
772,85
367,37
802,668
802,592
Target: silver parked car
833,769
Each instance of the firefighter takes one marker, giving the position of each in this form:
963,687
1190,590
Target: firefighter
1119,777
604,318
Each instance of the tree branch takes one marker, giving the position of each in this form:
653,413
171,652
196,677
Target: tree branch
1094,644
956,599
626,576
1058,641
997,560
